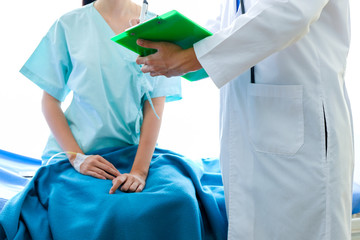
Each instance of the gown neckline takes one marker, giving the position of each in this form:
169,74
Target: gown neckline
109,29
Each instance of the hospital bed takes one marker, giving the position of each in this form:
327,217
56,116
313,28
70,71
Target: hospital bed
355,231
356,212
17,170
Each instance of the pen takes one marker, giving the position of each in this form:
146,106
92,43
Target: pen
144,8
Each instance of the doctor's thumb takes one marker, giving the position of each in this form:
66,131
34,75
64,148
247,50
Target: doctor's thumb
134,21
147,44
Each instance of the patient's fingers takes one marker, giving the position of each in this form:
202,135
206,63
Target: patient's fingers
110,167
98,173
133,187
95,175
128,183
136,187
133,184
117,182
111,171
140,188
125,187
103,173
100,166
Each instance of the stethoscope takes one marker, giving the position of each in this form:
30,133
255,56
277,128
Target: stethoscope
242,6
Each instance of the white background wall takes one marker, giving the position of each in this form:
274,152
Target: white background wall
190,126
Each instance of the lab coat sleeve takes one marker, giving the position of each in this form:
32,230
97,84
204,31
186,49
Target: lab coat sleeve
268,27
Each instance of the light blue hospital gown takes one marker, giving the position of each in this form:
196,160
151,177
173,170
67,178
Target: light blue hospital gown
108,87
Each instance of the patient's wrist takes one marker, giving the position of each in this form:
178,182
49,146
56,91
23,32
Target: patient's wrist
79,159
76,159
140,172
71,156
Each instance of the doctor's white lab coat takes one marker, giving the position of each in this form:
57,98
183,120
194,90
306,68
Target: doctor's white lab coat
286,141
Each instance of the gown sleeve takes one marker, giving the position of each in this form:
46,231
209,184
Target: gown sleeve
50,65
166,87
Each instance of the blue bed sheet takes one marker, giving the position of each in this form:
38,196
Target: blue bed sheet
18,164
13,168
356,198
181,200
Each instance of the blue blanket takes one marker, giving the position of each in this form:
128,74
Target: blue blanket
182,200
356,198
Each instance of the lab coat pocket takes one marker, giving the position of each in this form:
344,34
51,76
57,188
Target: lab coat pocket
276,118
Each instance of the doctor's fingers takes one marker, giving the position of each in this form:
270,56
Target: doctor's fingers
161,57
134,21
153,62
154,69
150,44
165,73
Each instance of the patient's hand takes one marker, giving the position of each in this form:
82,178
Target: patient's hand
99,167
129,182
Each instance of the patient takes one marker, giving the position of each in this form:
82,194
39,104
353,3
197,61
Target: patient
109,131
109,107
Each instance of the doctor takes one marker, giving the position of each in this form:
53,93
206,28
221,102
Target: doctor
286,139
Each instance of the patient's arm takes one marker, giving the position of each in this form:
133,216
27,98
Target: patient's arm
135,180
95,166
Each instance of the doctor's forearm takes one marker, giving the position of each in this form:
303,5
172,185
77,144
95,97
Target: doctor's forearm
148,137
58,125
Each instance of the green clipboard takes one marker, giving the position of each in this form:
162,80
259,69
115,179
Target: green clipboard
169,27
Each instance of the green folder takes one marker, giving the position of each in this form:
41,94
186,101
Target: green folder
169,27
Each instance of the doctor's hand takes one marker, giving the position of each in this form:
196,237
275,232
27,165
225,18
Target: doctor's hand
134,21
129,182
98,167
169,60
